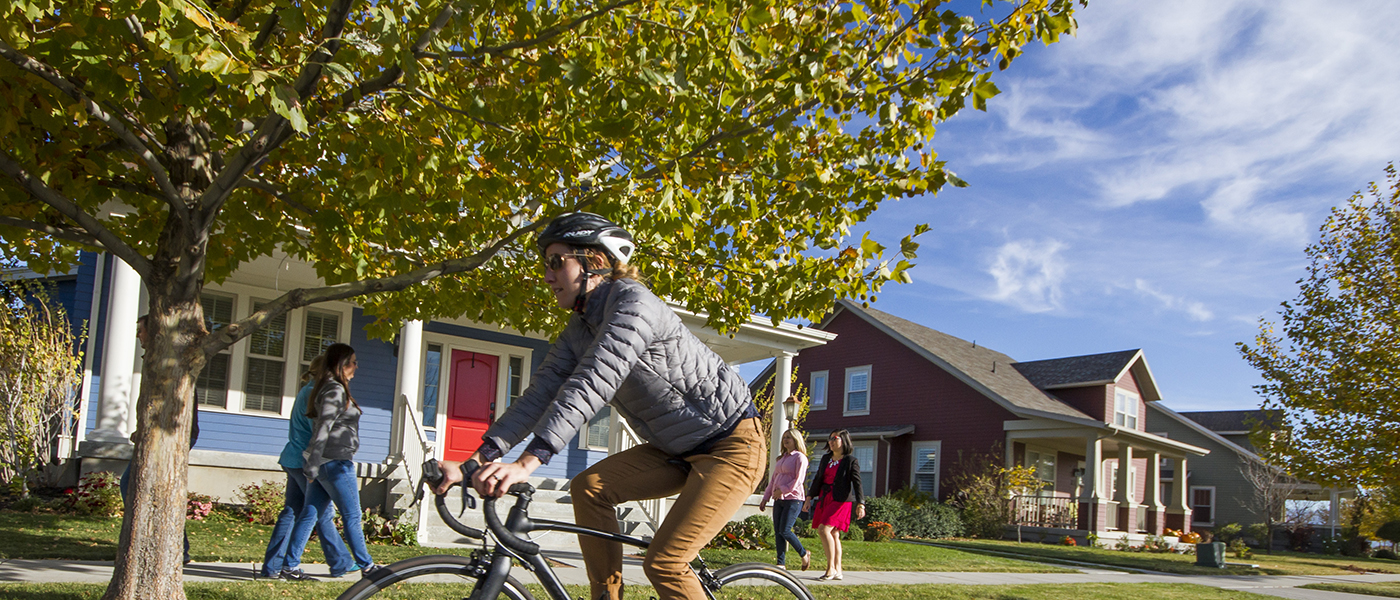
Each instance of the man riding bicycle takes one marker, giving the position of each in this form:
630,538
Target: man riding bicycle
625,346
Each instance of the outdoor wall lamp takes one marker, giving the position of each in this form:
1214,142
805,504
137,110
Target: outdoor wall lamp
790,407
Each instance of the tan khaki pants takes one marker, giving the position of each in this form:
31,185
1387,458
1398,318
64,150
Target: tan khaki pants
715,488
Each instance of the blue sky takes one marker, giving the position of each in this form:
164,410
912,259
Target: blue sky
1152,183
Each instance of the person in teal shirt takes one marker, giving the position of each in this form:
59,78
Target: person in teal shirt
280,550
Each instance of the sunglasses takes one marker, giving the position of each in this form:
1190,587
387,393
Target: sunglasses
554,262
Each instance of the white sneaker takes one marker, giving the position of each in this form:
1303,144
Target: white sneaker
783,567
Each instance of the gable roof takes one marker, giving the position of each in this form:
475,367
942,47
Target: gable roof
985,370
1091,369
1228,421
1183,418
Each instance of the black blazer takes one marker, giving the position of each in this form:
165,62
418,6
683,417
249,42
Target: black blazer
846,487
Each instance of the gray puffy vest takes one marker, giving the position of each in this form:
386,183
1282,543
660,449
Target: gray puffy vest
630,348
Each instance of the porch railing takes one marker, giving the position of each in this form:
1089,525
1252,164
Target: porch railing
1045,511
622,437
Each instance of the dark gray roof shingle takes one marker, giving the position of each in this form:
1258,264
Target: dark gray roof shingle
989,368
1076,370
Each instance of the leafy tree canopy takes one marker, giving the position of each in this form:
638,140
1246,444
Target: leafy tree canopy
741,141
1332,370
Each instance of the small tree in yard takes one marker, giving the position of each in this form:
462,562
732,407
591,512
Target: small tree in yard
410,151
40,369
986,493
1268,491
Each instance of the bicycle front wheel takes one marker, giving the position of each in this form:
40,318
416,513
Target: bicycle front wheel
759,581
453,573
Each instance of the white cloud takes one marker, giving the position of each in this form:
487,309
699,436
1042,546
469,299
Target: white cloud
1028,275
1195,310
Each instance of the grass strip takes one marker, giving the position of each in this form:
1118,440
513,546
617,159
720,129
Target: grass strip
1389,589
328,591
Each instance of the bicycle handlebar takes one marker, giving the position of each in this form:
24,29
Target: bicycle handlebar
432,474
504,535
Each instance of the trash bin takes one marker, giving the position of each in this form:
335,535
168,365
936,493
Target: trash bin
1211,555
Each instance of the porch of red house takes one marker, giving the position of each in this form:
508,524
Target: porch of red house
1050,519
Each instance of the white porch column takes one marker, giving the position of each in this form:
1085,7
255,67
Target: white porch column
1093,471
1151,498
782,388
403,436
1123,483
115,409
1178,502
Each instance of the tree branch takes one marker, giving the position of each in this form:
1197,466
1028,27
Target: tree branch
52,231
105,238
550,33
127,186
464,113
297,298
277,191
71,90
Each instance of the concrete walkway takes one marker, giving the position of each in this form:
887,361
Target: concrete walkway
53,571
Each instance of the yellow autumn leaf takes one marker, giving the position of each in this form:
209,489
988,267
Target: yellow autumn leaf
192,13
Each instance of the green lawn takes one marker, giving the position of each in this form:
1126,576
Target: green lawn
328,591
1389,589
1278,563
52,536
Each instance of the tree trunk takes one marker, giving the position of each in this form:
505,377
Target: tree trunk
150,551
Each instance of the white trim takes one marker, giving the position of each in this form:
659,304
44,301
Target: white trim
502,352
846,390
914,451
1132,408
1191,504
872,468
825,389
423,380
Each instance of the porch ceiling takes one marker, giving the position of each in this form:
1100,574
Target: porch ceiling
1073,438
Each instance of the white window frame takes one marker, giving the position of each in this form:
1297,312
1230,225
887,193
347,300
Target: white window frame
1191,503
819,393
918,449
226,352
585,432
245,297
502,352
846,391
423,382
1125,408
291,346
1048,490
874,448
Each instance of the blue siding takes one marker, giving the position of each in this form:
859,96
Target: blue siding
373,389
245,433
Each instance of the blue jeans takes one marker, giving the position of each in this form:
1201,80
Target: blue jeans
337,483
784,517
280,548
124,485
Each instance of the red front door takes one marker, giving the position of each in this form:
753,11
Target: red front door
471,402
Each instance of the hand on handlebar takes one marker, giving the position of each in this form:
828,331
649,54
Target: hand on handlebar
451,475
493,479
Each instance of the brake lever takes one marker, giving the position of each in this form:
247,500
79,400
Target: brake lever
468,501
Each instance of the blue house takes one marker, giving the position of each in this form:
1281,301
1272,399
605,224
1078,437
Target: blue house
429,392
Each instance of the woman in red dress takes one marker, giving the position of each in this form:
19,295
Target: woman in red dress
835,488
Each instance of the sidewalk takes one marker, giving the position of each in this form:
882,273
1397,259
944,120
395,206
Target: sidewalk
59,571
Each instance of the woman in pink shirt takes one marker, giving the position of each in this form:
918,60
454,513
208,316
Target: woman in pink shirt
786,490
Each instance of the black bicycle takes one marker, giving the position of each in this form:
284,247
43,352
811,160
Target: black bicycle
488,568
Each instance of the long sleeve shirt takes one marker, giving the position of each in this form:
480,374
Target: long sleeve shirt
786,483
335,433
298,430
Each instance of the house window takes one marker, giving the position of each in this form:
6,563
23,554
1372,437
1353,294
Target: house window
598,428
926,466
818,390
858,390
1042,461
267,349
1203,505
515,379
211,388
432,375
865,455
1125,409
322,330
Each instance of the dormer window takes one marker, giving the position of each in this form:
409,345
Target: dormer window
1125,409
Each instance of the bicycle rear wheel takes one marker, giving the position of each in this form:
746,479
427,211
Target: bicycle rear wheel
759,581
443,569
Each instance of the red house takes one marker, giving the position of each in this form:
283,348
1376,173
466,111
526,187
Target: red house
915,400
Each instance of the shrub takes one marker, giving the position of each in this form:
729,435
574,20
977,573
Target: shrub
98,493
1156,543
262,501
739,535
1239,548
400,531
1386,554
909,496
879,531
936,521
803,528
892,510
1301,538
1228,532
855,534
1389,531
1261,534
1068,541
763,524
28,504
198,506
